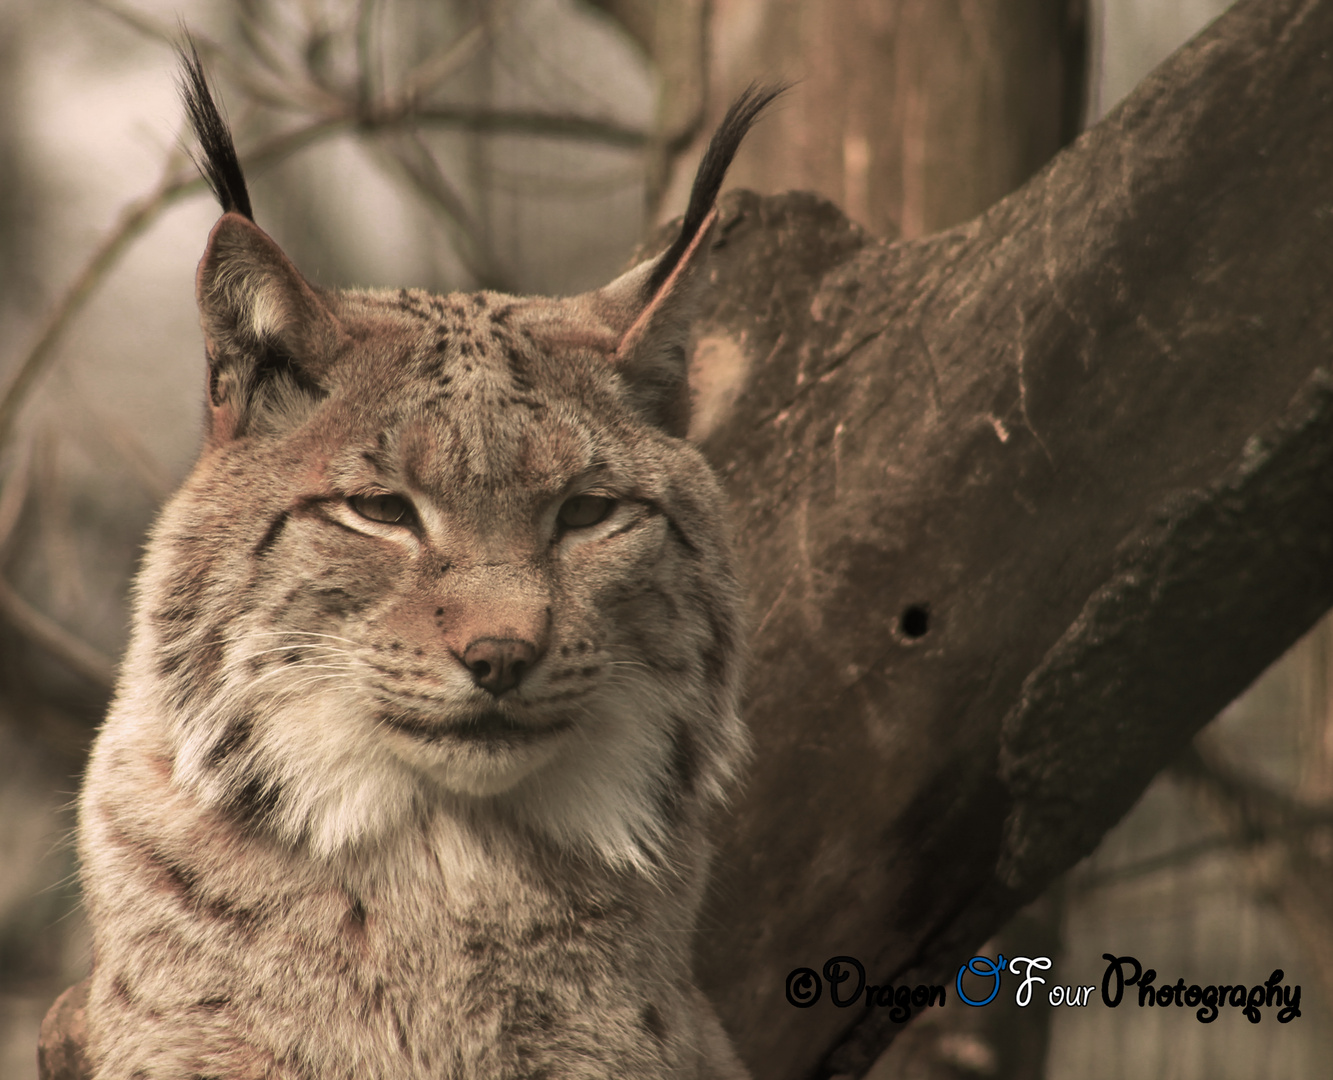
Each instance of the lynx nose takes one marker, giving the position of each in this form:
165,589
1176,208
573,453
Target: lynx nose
499,664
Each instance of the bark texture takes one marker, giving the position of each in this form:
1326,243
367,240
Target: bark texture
1021,506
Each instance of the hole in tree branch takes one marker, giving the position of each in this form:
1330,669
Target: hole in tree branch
915,620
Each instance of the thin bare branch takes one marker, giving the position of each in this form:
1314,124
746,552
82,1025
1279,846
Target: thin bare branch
365,59
548,125
539,185
277,96
88,661
423,170
408,157
1256,807
437,67
165,33
14,493
1253,811
260,42
283,145
55,540
96,432
133,220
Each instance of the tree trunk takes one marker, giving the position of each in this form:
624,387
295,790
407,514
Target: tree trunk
1022,506
912,115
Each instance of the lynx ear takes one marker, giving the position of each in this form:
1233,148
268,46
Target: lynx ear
270,339
653,323
651,308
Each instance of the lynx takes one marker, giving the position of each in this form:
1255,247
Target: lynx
431,689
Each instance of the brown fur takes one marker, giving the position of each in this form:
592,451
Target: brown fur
420,798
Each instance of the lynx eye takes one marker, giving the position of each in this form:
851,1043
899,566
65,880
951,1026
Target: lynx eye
584,510
389,509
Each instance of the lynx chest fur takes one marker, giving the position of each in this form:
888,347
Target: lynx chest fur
432,686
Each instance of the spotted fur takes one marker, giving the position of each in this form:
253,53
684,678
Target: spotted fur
432,686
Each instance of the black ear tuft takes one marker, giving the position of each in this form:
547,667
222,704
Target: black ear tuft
220,166
722,148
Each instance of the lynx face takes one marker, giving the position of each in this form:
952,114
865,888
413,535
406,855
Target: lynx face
466,562
442,553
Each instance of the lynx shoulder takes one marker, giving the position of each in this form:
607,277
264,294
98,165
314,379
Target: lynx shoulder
432,684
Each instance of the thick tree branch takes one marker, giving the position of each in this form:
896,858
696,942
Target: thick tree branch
1032,437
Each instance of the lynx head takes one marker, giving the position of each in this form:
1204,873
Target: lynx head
446,550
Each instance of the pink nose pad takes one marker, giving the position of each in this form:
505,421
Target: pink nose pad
499,664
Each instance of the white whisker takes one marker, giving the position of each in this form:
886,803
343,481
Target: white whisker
250,634
292,648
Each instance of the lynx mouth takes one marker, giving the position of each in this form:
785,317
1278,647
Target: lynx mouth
492,727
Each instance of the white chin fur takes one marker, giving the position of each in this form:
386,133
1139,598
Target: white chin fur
479,771
347,782
339,786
